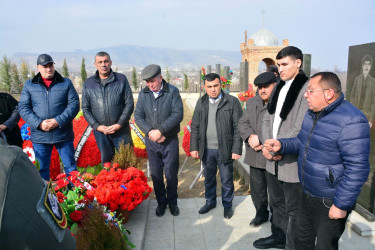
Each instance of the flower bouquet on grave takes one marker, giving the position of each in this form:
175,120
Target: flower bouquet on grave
86,218
119,189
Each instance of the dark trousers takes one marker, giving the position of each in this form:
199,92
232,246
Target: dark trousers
108,143
258,188
165,156
211,162
315,230
284,204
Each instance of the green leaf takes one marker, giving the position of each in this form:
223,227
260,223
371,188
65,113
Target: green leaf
74,228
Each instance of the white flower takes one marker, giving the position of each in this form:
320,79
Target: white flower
30,153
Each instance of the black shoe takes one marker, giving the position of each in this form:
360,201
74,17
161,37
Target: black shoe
206,208
257,221
228,212
160,210
269,242
174,209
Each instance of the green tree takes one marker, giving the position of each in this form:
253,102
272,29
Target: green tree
134,78
167,76
5,74
83,70
65,71
25,69
186,83
15,78
32,73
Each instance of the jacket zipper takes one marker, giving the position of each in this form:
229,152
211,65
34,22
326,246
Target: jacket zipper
307,147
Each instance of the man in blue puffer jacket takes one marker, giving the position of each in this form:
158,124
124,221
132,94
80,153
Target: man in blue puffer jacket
49,103
333,163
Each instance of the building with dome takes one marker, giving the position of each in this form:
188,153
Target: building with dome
261,47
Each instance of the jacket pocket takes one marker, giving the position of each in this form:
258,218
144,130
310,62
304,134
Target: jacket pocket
333,177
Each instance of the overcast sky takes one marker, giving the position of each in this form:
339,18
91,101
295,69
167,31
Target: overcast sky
323,28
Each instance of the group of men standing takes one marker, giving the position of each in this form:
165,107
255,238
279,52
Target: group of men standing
308,151
307,147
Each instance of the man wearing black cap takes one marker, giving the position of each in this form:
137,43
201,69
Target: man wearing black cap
107,104
216,140
250,126
49,103
158,114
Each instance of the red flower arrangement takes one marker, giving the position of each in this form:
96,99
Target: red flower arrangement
243,97
90,154
120,188
186,139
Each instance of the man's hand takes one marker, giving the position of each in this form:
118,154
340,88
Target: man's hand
102,129
272,145
336,213
194,154
113,128
154,135
52,123
266,153
162,138
253,141
2,127
45,126
258,148
235,156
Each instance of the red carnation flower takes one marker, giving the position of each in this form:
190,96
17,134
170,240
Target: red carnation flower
76,216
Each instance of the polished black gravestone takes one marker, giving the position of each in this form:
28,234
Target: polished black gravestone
360,91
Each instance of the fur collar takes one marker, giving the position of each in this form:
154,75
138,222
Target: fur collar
291,96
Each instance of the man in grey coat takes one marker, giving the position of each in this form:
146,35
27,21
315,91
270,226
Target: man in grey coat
283,120
250,126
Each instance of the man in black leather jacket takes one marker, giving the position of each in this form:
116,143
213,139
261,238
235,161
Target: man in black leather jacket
107,104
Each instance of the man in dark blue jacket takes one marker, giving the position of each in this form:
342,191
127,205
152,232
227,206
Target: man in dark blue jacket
107,104
158,114
333,149
49,103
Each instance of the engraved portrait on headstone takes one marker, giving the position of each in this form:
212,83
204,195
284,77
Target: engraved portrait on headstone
360,91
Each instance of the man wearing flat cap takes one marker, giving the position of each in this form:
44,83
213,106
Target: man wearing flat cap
250,126
158,114
107,104
49,103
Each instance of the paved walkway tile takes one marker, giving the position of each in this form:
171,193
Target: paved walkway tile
191,230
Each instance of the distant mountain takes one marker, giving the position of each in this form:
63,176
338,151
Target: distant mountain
140,56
